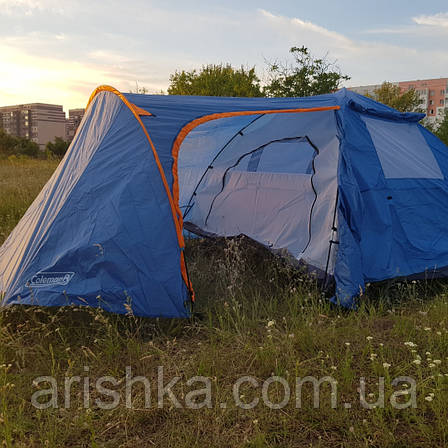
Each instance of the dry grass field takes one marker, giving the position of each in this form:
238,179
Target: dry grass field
257,318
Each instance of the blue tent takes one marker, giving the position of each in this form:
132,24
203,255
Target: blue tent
352,188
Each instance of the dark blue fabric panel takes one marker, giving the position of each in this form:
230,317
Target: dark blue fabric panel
254,161
172,113
387,227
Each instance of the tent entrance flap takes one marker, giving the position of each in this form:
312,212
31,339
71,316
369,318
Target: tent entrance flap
260,181
259,189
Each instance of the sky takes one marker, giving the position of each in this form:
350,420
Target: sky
58,51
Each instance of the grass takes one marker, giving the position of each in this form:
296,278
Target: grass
20,182
259,318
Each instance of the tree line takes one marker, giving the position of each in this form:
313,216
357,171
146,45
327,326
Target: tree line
11,145
19,146
302,75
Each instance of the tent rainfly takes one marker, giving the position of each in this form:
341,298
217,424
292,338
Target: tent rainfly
352,188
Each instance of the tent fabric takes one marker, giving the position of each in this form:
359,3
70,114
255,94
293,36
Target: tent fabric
366,203
91,237
402,150
285,203
388,227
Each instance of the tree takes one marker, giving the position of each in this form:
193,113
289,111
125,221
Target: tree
11,145
391,95
58,147
26,147
7,143
306,76
442,129
142,90
216,80
146,91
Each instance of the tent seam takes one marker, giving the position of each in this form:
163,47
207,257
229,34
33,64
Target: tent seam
177,222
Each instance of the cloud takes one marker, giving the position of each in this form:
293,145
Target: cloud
308,27
439,20
62,58
35,79
28,7
119,45
397,30
423,26
367,61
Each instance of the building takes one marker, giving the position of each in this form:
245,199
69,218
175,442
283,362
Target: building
73,121
38,122
369,89
433,94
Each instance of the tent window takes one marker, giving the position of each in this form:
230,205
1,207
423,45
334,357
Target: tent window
402,150
283,157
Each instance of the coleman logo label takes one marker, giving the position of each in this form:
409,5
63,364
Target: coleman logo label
50,279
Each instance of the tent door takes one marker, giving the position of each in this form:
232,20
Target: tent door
267,194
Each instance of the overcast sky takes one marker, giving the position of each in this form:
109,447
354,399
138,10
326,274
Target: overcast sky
58,51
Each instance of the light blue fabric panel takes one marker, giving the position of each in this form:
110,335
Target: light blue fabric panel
402,150
199,149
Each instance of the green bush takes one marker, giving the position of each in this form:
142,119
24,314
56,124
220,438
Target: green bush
58,147
18,146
